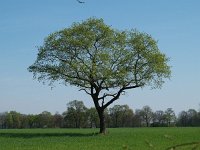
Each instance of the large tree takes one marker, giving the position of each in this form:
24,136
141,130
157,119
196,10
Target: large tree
101,61
76,114
93,119
147,115
121,115
170,116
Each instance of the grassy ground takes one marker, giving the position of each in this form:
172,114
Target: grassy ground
86,139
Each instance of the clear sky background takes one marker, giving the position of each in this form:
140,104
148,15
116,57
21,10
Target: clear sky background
25,23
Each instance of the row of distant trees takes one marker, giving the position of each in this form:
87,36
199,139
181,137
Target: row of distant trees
78,115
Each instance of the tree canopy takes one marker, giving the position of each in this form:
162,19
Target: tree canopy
102,61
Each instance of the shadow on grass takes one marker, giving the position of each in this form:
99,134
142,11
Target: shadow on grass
35,135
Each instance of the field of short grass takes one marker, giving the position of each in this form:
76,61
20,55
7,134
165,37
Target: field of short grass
86,139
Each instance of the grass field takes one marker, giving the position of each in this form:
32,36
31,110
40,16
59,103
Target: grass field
86,139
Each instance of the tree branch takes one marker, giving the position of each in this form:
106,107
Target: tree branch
85,91
107,95
118,95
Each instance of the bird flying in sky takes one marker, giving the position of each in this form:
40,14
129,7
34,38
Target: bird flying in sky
80,1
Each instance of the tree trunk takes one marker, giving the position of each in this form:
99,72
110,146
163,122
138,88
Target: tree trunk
102,121
100,111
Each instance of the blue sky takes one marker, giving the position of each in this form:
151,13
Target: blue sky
25,23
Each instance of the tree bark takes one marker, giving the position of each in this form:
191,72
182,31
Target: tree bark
100,111
102,121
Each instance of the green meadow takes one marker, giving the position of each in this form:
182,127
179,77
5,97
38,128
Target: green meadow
86,139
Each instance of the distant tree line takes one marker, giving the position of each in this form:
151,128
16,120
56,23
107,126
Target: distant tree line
78,115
